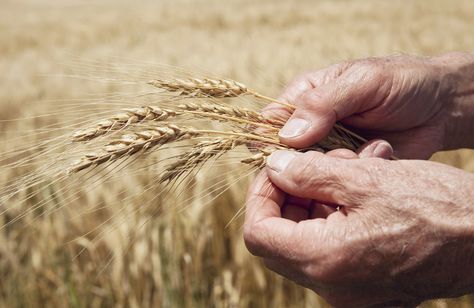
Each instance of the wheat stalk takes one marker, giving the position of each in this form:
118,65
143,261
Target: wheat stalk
221,88
132,143
230,113
163,133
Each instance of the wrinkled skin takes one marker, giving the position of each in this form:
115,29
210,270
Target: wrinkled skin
404,100
356,228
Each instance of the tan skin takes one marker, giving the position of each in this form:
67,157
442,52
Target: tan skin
404,231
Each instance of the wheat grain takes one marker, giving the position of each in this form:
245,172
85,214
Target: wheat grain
210,87
122,120
132,143
259,159
201,87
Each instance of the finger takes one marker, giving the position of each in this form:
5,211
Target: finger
266,233
264,200
296,209
311,80
358,89
290,94
297,87
342,153
290,271
376,148
320,210
283,268
326,179
416,143
294,212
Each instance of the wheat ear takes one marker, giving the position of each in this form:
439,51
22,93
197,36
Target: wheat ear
208,87
259,159
122,120
132,143
220,88
201,87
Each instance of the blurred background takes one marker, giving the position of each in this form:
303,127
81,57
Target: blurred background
102,249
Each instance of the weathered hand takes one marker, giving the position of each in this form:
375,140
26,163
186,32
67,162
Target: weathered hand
404,231
414,103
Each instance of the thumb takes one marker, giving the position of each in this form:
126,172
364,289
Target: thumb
358,89
376,148
316,176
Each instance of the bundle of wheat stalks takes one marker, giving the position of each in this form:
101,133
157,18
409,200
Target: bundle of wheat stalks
147,128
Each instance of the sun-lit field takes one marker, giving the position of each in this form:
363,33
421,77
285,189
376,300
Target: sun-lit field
121,243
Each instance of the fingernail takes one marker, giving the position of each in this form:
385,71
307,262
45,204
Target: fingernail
279,160
383,150
294,128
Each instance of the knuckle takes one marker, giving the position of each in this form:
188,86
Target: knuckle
375,68
315,170
303,169
296,88
309,98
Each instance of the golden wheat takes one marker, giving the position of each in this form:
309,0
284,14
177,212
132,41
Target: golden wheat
201,87
122,120
244,120
188,259
132,143
210,87
259,159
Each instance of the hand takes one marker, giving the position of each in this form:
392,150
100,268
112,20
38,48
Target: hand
403,233
413,103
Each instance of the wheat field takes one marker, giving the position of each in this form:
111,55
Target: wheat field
120,242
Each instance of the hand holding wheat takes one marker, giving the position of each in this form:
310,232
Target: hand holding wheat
368,231
397,238
405,100
147,128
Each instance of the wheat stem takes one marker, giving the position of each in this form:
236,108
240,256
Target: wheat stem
232,119
269,99
248,136
198,155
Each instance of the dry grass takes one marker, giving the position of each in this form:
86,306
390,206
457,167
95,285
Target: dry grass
111,237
